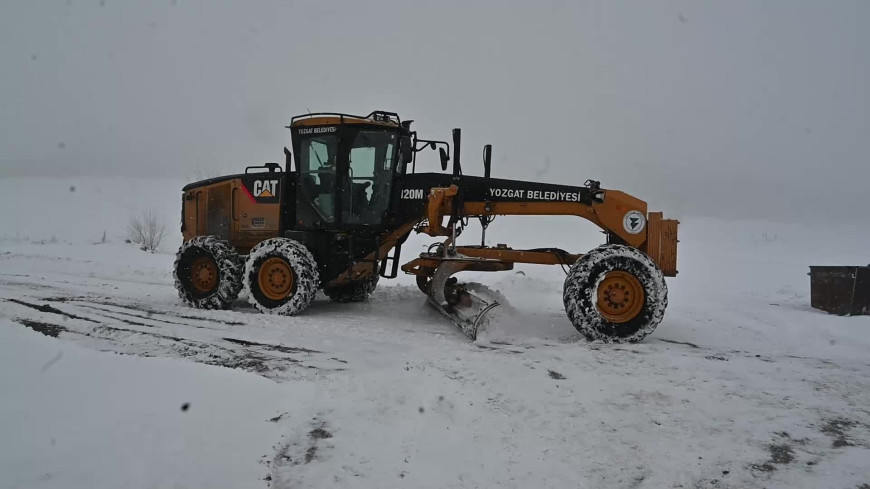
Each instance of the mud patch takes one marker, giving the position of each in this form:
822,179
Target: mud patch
125,321
49,309
780,454
314,436
319,433
150,312
799,441
765,467
303,451
277,418
27,285
63,299
497,349
186,316
838,429
555,375
47,329
680,343
280,348
705,484
131,315
310,454
197,351
270,361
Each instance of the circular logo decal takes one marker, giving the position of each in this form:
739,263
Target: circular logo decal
634,222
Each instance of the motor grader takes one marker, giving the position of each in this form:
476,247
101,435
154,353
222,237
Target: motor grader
336,216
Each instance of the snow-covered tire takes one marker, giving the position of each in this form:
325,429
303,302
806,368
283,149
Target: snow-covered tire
620,265
217,269
288,272
353,292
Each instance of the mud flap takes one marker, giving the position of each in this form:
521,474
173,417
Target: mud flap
467,309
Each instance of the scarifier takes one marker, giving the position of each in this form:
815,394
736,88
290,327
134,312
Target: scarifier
337,220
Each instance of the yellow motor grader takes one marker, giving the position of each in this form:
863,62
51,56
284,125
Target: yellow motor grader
336,220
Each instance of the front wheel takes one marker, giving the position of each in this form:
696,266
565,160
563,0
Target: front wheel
281,277
615,293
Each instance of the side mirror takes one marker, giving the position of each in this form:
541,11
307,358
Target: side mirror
487,160
405,149
288,159
444,159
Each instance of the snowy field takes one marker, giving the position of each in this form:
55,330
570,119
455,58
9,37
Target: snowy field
107,381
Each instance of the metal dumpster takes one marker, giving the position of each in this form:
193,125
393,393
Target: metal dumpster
844,291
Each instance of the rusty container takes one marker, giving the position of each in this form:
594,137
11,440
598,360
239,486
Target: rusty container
844,291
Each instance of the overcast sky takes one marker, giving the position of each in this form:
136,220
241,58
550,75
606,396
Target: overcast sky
728,108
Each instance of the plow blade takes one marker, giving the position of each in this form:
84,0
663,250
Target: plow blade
466,305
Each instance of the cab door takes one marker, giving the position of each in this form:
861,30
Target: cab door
316,158
365,187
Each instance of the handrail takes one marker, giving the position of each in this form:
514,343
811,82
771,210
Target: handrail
272,167
387,115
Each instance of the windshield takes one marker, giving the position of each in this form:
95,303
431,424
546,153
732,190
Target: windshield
366,190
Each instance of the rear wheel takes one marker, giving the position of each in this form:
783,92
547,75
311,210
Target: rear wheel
207,273
354,292
281,277
615,294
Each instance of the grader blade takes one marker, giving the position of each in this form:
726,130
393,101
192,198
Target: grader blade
466,306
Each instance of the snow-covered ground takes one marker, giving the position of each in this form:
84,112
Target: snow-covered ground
742,385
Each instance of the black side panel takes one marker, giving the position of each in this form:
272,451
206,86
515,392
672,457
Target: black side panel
415,191
264,188
417,185
412,194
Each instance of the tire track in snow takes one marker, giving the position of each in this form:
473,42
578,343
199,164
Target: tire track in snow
107,329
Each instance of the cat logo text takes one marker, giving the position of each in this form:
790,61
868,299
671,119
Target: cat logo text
265,188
